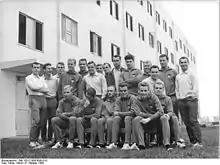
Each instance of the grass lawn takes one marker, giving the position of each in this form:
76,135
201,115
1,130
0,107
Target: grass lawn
18,148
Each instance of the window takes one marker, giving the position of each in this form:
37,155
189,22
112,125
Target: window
30,32
159,47
141,31
165,25
115,50
184,48
151,40
180,44
176,44
114,9
149,8
69,30
188,52
95,43
141,2
98,2
170,32
129,21
158,18
172,58
165,50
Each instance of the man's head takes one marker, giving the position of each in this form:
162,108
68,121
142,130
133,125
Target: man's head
67,92
163,60
116,61
123,89
143,90
99,68
36,68
129,60
184,63
71,64
82,64
47,69
154,72
91,67
159,88
60,67
90,94
111,91
147,65
107,67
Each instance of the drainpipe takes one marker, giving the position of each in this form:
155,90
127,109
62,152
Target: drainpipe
58,28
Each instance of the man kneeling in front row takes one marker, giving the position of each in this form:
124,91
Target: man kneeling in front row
68,110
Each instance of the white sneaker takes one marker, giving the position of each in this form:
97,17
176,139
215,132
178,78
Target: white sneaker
197,145
134,147
34,144
70,145
111,146
126,146
58,145
181,140
180,144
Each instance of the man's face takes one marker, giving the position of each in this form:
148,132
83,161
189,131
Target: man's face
154,73
129,63
82,65
36,69
116,62
67,93
158,88
123,91
99,69
163,62
71,64
48,69
60,68
147,66
89,97
184,64
143,92
110,91
91,68
106,68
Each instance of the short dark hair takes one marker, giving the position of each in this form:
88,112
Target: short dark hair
184,57
83,59
45,65
122,84
107,64
164,55
129,57
154,66
99,65
60,63
116,56
35,63
91,62
91,91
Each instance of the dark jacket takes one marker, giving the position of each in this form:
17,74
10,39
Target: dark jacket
110,79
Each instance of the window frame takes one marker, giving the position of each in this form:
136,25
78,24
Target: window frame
112,50
95,42
158,17
159,47
114,5
141,32
129,21
151,40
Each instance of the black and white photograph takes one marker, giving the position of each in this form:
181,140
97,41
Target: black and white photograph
109,79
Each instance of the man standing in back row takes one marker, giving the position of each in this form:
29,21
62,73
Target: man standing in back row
168,76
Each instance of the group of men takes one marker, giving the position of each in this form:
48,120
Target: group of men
106,101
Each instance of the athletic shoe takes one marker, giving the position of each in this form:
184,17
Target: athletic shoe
57,145
197,145
34,144
100,146
80,146
168,147
70,145
180,144
111,146
89,146
134,147
126,146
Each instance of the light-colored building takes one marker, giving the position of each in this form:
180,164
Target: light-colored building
53,31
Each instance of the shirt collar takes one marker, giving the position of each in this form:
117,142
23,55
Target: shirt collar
36,76
95,74
164,70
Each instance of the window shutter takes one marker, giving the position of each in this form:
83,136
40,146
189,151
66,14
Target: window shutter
126,19
118,50
22,29
112,50
39,36
91,41
99,46
131,23
110,7
143,33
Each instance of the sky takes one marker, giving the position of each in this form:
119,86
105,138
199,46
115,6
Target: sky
199,22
